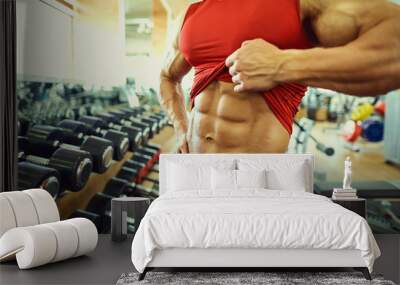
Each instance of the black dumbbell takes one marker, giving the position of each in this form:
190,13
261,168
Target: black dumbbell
117,121
43,140
127,173
162,117
134,170
134,134
100,204
120,118
117,187
153,123
36,176
141,191
119,140
74,166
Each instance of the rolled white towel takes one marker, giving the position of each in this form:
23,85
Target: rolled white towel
37,245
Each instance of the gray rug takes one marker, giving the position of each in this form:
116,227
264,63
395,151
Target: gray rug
243,278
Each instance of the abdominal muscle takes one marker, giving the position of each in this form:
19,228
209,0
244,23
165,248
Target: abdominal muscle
223,121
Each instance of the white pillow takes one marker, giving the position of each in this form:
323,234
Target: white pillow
223,179
294,179
251,178
183,177
283,173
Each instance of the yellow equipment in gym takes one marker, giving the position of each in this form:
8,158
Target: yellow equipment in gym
362,112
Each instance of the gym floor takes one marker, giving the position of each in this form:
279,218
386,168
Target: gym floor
368,164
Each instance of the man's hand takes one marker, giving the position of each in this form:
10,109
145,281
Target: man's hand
183,146
255,66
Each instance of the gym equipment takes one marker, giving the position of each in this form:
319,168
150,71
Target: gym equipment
137,168
117,187
105,121
43,140
372,129
36,176
100,204
74,166
351,131
303,133
119,140
362,112
383,216
148,126
380,108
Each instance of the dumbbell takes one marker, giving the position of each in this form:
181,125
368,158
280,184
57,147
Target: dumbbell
43,140
104,122
36,176
100,205
155,154
117,121
141,191
117,187
163,119
153,122
134,170
373,129
119,117
140,168
119,140
74,166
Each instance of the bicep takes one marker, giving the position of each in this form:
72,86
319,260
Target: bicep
175,66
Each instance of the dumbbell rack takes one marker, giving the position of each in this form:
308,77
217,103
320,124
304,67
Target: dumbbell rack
48,104
79,200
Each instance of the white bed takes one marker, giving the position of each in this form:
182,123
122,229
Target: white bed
249,227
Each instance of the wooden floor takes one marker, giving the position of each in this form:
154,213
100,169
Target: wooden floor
368,164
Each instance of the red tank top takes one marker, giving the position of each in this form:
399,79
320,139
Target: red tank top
214,29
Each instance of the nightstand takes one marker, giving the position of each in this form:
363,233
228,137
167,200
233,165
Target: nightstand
126,209
357,205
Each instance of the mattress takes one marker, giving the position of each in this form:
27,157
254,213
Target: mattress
250,219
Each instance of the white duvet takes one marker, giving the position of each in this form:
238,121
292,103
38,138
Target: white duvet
252,218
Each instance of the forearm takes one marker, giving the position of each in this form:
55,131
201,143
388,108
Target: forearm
173,102
368,66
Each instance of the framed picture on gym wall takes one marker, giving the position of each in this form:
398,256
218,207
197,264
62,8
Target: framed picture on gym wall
104,87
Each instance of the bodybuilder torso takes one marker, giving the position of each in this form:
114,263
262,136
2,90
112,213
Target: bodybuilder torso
224,121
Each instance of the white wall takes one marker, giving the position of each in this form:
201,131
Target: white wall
99,44
88,47
44,41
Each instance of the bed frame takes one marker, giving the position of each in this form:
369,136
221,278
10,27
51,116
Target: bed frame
242,259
